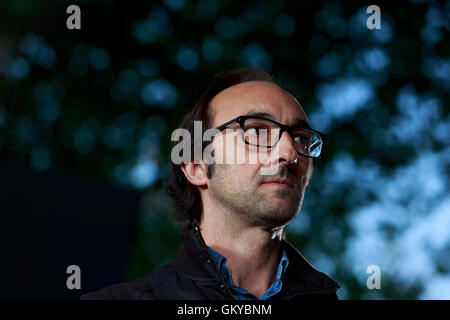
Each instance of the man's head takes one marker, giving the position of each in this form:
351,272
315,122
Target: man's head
253,197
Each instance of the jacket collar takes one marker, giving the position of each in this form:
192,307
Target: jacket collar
192,259
301,277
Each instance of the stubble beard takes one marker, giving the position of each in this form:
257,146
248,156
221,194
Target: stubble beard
249,205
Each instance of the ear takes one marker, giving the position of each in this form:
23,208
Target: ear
195,173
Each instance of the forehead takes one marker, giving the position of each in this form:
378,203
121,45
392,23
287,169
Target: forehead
255,97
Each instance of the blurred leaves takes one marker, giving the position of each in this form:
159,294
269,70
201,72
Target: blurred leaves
102,102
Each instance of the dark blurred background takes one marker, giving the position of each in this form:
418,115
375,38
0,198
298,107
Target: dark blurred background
86,118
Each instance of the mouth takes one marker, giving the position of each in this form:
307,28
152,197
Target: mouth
282,183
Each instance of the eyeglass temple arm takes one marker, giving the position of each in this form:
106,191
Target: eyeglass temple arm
227,124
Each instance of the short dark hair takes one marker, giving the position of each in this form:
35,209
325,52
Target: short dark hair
188,205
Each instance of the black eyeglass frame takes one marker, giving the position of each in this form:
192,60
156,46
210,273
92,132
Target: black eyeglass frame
283,128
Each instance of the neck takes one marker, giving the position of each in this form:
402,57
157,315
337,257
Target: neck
252,253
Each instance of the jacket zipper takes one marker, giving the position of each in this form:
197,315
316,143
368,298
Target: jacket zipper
203,245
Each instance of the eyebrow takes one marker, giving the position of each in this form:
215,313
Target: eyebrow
298,122
302,124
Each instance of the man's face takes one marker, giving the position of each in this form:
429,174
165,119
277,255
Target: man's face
246,189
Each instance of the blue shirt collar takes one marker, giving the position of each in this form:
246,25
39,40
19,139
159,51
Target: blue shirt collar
242,294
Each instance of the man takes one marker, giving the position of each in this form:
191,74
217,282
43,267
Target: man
233,246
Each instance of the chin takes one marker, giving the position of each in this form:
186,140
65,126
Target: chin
278,216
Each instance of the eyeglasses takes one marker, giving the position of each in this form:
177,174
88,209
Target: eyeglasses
266,133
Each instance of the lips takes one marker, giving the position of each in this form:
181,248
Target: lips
279,181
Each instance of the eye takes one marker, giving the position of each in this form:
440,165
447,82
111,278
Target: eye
303,139
252,131
257,129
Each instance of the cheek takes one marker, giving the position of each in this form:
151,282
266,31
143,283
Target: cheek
240,177
227,149
303,170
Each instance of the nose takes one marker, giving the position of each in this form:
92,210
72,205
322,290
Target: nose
285,150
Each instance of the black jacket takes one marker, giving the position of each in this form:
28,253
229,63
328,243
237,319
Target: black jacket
193,275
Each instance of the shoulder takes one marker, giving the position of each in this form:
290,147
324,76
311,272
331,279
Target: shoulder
133,290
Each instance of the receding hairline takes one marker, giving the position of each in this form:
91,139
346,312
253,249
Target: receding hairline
210,112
